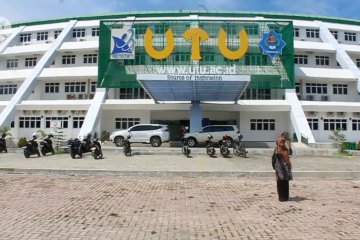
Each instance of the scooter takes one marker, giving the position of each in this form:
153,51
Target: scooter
96,150
185,149
31,148
75,148
46,145
239,149
210,150
3,147
126,146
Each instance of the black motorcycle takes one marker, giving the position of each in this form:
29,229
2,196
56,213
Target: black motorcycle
239,148
96,150
75,148
31,148
127,146
185,148
46,145
86,144
3,147
210,150
224,149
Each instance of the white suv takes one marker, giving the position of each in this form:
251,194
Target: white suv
217,131
155,134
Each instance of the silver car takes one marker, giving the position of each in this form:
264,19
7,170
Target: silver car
155,134
217,131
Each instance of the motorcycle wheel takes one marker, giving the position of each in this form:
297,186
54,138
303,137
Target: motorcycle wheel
236,152
73,155
52,151
43,152
188,151
26,153
243,152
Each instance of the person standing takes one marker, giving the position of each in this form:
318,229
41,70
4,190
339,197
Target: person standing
283,166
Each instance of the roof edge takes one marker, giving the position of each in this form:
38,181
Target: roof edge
175,13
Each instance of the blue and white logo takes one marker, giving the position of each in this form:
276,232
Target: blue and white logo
123,43
272,44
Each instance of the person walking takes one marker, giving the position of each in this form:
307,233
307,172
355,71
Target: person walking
282,165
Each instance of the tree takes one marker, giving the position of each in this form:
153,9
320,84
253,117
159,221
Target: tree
339,138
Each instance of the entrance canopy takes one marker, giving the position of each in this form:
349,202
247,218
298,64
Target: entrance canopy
219,88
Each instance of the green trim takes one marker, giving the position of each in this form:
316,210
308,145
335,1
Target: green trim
178,13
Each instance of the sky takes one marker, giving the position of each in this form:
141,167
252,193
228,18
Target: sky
31,10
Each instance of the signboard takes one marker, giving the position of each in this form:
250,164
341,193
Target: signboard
272,44
122,44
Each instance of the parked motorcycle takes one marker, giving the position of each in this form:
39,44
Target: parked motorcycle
31,147
46,145
3,147
185,148
210,150
86,144
224,148
75,148
127,146
96,150
239,147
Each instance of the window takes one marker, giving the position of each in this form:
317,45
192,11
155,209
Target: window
262,124
90,58
349,36
30,122
313,123
95,32
182,57
42,36
93,87
52,87
297,87
125,123
255,59
356,124
334,33
78,122
257,94
75,87
334,124
301,59
358,62
68,59
12,63
133,93
341,89
322,60
25,37
80,32
8,89
57,33
207,57
296,32
30,62
252,29
316,88
312,33
61,122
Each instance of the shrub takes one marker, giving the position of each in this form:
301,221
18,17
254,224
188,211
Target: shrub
22,142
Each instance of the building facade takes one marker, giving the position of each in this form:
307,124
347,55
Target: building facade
265,73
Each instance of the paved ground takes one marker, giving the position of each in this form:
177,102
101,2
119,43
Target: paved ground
168,197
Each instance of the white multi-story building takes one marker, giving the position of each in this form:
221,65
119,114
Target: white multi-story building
59,73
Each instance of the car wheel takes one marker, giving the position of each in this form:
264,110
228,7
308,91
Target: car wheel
155,141
119,141
192,142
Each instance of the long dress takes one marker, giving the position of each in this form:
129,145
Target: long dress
283,162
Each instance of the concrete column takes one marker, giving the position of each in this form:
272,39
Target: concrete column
195,116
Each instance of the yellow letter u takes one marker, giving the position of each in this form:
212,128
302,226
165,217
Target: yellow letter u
243,45
155,53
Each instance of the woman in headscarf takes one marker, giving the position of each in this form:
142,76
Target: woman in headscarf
283,166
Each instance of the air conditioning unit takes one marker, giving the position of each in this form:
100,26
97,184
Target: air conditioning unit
70,96
311,114
47,111
48,41
26,43
341,114
325,98
310,97
81,39
356,114
302,39
81,96
330,114
91,96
